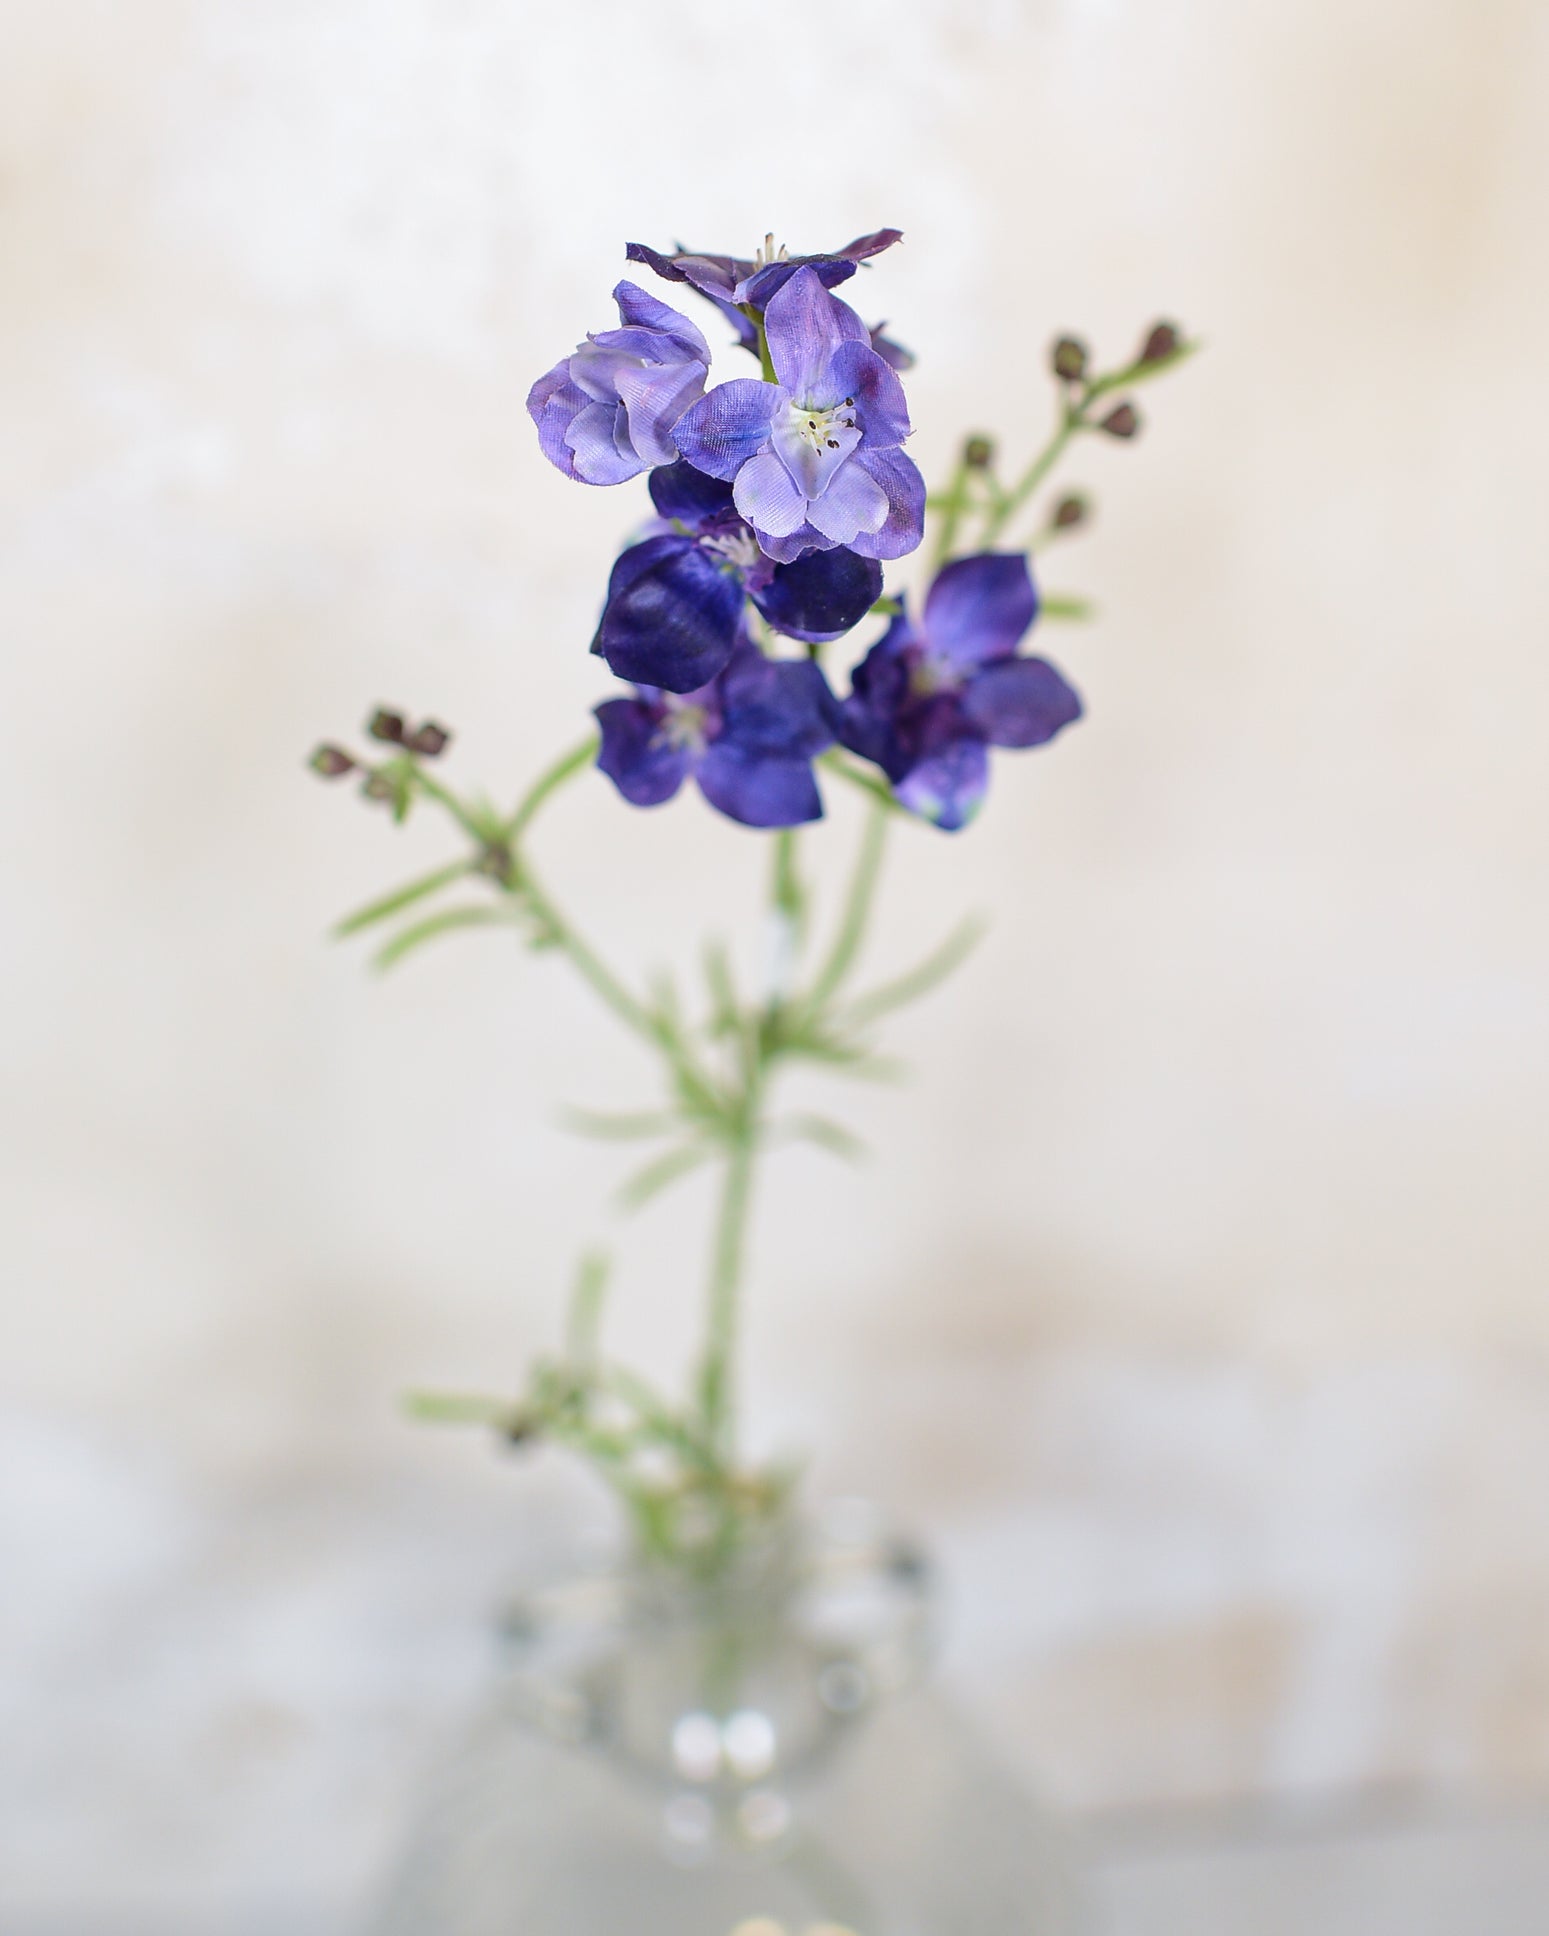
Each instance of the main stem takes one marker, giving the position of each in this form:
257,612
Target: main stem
716,1394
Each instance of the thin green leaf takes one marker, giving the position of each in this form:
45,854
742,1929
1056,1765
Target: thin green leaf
919,981
587,1295
1065,605
620,1127
833,1137
435,925
636,1191
400,897
460,1408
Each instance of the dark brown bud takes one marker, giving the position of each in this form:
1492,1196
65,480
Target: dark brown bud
1161,343
331,761
377,786
386,725
1068,359
1071,511
430,741
519,1430
978,453
1123,420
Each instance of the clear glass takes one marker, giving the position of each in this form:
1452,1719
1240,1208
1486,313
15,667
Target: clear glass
668,1756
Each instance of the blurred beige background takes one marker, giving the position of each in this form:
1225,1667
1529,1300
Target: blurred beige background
1194,1298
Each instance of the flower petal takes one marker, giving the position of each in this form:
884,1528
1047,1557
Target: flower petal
853,503
672,616
759,286
820,596
880,410
868,722
593,440
654,398
1020,702
727,426
638,309
805,325
636,755
711,275
683,492
900,478
758,790
948,786
553,403
766,495
979,607
776,706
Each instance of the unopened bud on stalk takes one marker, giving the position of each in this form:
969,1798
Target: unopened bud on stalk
386,725
331,761
377,786
1161,343
1068,359
1071,511
1123,420
978,453
430,741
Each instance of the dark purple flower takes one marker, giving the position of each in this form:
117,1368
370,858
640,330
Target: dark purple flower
813,458
730,280
675,600
749,738
893,354
607,412
931,697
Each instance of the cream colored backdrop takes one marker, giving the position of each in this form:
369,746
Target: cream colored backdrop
1195,1293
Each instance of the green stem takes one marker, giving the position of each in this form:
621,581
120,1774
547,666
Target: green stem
953,507
1072,419
548,782
857,912
715,1380
592,970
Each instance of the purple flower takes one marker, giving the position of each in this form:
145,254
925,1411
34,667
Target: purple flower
749,738
607,412
675,600
813,458
729,280
930,698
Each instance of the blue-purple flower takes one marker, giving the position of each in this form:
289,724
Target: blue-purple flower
813,458
728,280
675,600
607,412
933,695
748,737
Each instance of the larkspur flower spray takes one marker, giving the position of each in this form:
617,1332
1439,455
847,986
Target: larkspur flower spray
756,656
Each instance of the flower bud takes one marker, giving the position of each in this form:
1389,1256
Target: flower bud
1068,359
386,725
1071,511
332,762
978,453
430,741
377,786
1160,344
1123,420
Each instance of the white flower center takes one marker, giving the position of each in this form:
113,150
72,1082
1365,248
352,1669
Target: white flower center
814,442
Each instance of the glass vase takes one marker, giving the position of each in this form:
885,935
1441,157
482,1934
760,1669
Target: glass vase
748,1750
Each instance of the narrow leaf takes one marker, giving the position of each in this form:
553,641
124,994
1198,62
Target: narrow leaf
459,1408
919,981
1064,605
408,939
400,897
586,1301
833,1137
636,1191
620,1127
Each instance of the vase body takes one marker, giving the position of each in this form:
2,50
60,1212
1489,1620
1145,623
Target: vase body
671,1756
